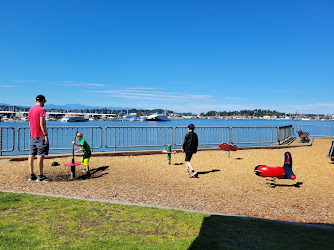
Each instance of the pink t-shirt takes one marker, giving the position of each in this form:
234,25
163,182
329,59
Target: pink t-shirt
34,115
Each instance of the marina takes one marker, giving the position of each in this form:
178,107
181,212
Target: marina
22,116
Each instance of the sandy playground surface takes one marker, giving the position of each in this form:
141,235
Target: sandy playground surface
224,185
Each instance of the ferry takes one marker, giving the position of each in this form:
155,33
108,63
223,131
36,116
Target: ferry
156,117
74,118
130,118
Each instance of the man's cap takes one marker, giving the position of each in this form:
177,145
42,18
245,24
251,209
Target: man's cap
191,126
40,98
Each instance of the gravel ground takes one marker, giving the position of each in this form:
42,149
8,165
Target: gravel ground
224,185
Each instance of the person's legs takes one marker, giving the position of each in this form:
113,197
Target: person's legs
42,150
189,166
86,160
31,163
32,176
32,153
40,165
187,160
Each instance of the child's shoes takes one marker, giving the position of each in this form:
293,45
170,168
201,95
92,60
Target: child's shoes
193,174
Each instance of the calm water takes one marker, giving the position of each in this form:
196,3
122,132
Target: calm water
173,123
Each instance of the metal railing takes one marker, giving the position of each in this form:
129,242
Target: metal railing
131,137
60,138
284,133
322,131
153,137
206,135
7,139
253,135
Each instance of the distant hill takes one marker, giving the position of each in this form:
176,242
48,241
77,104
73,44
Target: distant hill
5,104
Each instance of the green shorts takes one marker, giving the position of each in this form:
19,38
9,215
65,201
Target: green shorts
85,161
85,158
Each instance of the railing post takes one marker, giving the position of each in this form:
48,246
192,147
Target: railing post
92,134
230,135
114,139
278,135
329,130
0,141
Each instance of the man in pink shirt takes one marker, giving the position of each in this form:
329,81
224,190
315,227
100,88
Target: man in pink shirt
39,141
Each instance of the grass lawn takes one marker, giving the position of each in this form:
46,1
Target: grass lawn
33,221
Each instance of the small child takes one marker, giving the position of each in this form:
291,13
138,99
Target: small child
190,145
85,148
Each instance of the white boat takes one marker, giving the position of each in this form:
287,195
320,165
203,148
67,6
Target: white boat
74,118
6,119
156,117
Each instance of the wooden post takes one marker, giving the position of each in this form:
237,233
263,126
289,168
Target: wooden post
1,141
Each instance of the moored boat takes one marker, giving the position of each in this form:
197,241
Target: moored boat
156,117
74,118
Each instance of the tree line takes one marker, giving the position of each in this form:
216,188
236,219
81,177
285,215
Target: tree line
249,113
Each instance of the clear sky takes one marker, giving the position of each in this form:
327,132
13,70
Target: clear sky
186,56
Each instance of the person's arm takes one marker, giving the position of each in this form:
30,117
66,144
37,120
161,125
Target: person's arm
196,143
42,123
185,142
78,150
77,144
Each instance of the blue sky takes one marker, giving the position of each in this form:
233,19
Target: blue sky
185,56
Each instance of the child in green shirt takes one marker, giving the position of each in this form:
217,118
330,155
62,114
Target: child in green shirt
85,148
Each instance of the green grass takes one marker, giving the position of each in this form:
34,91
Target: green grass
33,221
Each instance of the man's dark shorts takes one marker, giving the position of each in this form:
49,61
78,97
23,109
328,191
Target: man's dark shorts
37,147
188,156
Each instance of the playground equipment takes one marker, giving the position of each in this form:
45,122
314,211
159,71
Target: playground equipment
73,164
274,173
331,152
228,147
304,136
169,153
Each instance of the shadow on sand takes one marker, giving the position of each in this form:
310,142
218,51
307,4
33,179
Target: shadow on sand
208,172
272,183
95,173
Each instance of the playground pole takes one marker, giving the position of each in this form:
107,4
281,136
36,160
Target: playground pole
169,150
